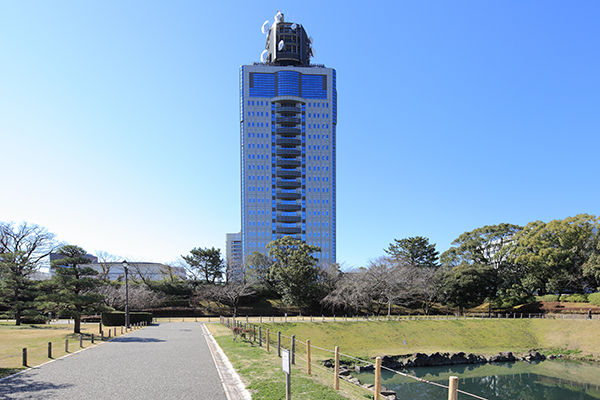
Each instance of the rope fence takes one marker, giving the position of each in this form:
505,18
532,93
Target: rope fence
290,344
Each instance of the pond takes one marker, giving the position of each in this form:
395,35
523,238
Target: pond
547,380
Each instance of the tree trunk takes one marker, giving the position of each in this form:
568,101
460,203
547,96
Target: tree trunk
77,325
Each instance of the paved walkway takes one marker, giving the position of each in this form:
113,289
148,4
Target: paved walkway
170,360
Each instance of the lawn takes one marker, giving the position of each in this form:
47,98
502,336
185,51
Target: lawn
36,337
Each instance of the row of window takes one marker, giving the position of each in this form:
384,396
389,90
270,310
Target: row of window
258,178
259,124
318,158
318,234
316,136
266,103
258,146
262,114
318,190
258,157
256,166
292,202
318,115
258,103
317,126
258,135
317,178
318,224
318,147
325,244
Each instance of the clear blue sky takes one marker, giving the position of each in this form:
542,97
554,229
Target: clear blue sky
119,121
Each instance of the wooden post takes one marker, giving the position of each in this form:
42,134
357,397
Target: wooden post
293,348
377,378
102,335
453,388
66,345
278,343
92,338
100,327
80,340
49,349
115,331
25,356
336,373
308,357
121,330
268,344
260,336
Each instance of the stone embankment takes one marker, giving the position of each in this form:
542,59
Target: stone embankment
433,360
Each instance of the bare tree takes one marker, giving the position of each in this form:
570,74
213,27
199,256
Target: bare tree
230,294
106,261
140,296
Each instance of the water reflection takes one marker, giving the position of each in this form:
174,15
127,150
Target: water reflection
548,380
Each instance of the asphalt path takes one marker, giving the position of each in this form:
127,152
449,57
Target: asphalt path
170,360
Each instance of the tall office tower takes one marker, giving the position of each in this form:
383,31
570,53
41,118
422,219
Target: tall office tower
233,257
287,131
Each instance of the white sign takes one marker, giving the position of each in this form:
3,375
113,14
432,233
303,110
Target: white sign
285,360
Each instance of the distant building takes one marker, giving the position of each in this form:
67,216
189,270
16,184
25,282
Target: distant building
234,257
138,271
288,118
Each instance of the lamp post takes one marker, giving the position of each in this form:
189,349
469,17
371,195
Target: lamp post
126,269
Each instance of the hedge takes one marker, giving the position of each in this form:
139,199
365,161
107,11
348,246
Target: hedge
117,318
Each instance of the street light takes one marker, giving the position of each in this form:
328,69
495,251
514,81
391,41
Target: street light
126,269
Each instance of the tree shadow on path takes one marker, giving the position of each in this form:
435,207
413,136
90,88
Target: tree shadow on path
27,388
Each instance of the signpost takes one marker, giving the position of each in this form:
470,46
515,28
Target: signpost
285,366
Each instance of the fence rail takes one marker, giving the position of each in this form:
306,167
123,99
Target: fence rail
289,342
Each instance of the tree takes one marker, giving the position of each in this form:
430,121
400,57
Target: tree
294,271
71,289
230,294
106,261
22,250
416,250
491,245
205,264
468,285
258,268
559,256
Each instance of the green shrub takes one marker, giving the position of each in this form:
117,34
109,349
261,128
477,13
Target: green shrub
117,318
34,319
594,298
547,297
576,298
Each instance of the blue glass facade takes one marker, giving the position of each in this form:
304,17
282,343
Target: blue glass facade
289,188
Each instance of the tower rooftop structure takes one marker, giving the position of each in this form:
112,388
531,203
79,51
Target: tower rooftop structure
287,43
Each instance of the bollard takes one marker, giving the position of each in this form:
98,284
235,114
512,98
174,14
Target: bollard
25,357
100,327
101,335
92,338
260,336
109,331
453,388
49,349
121,330
268,344
66,345
278,343
308,356
293,350
80,340
336,374
115,331
377,378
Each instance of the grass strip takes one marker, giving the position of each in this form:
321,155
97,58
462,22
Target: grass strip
262,374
